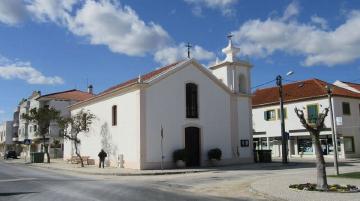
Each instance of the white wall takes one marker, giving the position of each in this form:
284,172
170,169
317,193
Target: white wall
23,124
6,132
115,140
165,105
33,104
350,127
245,125
225,73
62,106
351,123
273,129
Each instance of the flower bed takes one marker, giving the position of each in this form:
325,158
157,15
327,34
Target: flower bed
331,188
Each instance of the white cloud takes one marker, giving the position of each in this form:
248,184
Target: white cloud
24,71
319,21
318,46
12,12
223,5
292,10
176,53
106,23
51,10
2,111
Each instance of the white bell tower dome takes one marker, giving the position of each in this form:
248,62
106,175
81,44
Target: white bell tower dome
234,72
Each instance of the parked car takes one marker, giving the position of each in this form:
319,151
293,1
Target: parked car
10,154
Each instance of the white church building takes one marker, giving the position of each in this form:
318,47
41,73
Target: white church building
191,106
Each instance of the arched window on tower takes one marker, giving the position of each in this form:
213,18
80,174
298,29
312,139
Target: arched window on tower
242,84
192,101
114,115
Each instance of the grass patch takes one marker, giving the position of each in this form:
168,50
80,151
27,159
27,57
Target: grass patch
352,175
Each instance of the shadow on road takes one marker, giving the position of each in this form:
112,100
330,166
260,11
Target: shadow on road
15,193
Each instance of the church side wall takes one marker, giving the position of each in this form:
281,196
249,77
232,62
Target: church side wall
165,106
245,126
122,139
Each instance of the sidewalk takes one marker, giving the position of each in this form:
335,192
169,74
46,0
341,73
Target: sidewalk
60,164
278,185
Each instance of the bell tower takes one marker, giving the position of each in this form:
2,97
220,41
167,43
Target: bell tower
233,72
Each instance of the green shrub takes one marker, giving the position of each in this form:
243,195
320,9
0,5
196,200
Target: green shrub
179,154
214,154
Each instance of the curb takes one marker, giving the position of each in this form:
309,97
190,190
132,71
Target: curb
120,174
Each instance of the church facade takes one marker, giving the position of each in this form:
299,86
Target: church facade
141,122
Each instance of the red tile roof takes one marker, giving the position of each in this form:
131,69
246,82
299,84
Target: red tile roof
73,94
306,89
145,77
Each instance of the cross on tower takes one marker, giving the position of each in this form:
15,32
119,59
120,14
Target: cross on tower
189,46
229,36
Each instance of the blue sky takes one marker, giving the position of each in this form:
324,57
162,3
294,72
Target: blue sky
54,45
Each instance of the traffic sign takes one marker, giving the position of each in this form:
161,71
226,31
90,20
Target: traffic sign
27,141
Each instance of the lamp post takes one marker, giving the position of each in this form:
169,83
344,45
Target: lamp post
334,136
284,137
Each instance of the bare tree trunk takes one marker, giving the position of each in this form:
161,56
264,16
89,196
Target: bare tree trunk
46,149
47,153
320,163
78,154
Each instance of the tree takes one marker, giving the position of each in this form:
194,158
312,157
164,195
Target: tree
42,117
71,127
314,129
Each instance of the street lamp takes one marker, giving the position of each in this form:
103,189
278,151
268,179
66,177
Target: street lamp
284,136
334,135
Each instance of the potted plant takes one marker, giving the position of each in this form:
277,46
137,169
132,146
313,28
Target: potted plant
179,157
214,156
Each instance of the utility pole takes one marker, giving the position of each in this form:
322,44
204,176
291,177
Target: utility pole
334,136
283,134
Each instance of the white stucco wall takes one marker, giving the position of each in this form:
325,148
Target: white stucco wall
228,73
272,127
351,123
350,127
63,107
165,105
245,125
23,124
124,138
6,132
33,104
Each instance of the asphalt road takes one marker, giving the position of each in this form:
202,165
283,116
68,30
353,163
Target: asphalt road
18,182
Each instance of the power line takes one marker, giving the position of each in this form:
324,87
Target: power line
263,84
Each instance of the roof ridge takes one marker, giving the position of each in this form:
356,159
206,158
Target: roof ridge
60,92
317,81
299,81
349,82
145,76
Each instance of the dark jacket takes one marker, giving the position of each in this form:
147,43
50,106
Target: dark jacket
102,155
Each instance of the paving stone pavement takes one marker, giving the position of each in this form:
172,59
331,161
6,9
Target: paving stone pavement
278,185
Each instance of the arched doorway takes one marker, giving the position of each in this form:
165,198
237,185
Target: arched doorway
192,146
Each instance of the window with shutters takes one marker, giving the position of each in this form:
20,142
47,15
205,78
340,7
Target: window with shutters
114,115
346,108
279,113
192,110
312,113
270,115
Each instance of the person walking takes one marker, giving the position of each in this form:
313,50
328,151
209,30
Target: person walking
102,155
